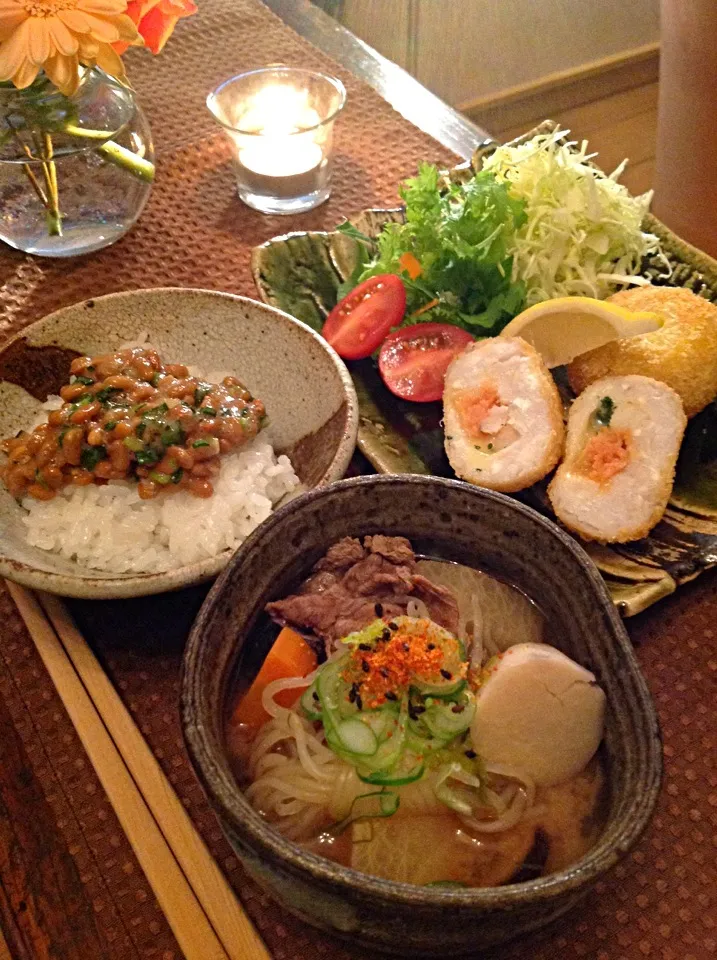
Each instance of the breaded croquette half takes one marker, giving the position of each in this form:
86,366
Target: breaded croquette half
502,415
624,435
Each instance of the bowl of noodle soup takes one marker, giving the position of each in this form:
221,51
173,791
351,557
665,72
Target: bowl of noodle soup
403,894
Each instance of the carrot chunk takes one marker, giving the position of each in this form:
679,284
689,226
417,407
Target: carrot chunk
291,656
408,262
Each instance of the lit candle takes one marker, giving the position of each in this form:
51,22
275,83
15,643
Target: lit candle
277,156
280,121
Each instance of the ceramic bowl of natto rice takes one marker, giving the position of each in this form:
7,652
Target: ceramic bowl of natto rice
107,522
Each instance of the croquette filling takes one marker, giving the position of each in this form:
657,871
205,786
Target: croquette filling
484,418
606,454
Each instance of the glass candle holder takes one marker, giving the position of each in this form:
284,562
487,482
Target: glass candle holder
279,121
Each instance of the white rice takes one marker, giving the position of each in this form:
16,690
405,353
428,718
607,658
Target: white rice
110,528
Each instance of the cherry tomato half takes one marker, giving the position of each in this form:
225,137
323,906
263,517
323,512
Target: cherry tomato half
358,324
413,361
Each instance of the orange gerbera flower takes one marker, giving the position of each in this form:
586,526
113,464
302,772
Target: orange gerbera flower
58,35
156,20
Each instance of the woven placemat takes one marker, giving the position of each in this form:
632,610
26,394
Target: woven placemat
661,902
195,232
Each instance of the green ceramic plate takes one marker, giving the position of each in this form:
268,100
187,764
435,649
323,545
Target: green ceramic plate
300,273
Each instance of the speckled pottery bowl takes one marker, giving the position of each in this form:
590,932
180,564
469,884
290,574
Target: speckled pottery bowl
308,393
453,521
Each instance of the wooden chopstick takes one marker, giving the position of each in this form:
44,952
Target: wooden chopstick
188,913
227,916
4,949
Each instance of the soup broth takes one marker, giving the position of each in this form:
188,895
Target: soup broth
435,811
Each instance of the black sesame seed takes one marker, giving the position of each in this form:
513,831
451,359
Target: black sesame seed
390,695
405,647
386,635
365,667
419,710
359,702
392,625
315,696
446,674
378,609
471,754
431,646
364,646
384,673
353,692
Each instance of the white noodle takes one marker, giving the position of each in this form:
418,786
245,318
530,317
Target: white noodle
417,608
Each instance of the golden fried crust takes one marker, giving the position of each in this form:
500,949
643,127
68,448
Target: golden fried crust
636,531
682,354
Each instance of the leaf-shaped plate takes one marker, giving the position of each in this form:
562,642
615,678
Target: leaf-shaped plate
300,273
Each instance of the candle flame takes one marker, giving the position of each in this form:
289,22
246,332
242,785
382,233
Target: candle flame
279,110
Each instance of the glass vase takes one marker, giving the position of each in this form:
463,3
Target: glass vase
75,172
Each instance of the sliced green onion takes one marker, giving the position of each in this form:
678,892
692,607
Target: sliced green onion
177,475
147,457
357,737
106,393
367,806
200,393
85,381
310,703
111,424
201,443
133,443
161,478
208,411
172,433
442,789
91,456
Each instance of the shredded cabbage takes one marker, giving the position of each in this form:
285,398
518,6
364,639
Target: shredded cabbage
582,235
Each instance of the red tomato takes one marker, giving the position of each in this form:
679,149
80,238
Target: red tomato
413,361
358,324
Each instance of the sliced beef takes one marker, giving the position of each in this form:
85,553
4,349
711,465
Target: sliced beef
355,583
377,576
397,550
342,555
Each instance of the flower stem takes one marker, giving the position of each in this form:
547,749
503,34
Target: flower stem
120,156
54,217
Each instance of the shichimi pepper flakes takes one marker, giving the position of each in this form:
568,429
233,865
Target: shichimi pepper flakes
406,650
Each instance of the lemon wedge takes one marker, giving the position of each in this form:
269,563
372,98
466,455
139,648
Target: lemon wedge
566,327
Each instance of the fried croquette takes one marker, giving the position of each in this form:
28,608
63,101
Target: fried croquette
624,435
502,414
682,353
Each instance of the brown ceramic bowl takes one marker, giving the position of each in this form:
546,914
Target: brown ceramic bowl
454,521
280,359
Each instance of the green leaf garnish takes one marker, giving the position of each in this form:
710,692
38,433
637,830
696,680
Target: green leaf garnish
461,236
604,412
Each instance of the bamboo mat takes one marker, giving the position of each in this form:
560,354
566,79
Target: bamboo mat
661,903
